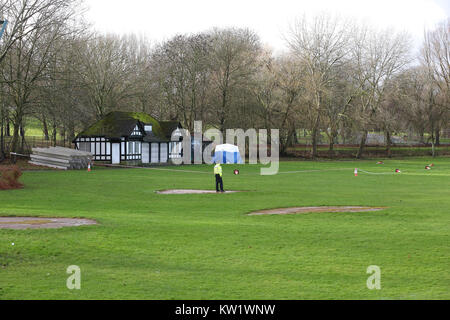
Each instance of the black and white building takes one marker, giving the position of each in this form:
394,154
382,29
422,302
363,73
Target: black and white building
130,136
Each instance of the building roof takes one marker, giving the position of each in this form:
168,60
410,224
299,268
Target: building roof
169,126
151,137
119,124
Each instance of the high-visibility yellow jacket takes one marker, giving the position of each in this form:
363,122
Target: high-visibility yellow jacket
218,169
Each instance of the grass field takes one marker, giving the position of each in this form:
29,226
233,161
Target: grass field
151,246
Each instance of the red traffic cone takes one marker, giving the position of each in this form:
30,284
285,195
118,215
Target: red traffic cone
356,172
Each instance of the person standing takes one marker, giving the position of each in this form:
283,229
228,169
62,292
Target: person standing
218,174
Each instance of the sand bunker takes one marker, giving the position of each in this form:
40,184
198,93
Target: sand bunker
314,210
42,223
186,191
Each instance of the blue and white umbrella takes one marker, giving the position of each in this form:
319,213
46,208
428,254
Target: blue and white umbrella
227,153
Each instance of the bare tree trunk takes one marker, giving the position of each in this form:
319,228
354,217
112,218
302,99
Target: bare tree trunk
8,126
288,142
45,129
315,132
437,136
388,143
22,143
17,132
362,144
433,145
295,137
222,113
63,136
54,133
2,141
15,138
71,134
314,143
332,141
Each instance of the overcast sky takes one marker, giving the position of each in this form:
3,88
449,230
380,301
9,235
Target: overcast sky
161,19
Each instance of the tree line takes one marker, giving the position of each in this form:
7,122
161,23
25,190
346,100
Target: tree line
338,78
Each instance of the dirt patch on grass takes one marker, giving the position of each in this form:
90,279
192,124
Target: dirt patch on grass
187,191
42,223
295,210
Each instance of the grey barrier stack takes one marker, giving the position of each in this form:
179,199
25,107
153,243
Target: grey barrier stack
60,158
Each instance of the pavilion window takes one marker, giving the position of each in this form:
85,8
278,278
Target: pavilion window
138,147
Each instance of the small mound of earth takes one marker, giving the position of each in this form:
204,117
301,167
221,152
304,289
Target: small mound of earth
314,210
186,191
42,223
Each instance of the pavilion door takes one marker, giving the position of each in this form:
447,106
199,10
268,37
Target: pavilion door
154,152
164,153
145,152
115,154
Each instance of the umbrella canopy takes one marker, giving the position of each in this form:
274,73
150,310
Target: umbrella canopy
227,153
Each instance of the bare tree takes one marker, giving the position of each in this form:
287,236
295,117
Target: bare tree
436,57
232,64
62,103
106,70
141,55
184,67
321,44
376,57
277,88
291,86
338,104
29,55
24,18
266,89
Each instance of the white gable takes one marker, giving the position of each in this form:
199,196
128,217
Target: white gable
136,131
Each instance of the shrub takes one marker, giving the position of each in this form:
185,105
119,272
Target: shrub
9,177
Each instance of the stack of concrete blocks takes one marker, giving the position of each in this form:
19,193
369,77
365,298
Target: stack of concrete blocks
61,158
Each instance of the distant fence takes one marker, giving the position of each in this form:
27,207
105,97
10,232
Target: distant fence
371,151
35,142
373,138
446,133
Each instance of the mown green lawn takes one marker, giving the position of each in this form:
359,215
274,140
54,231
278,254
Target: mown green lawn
151,246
